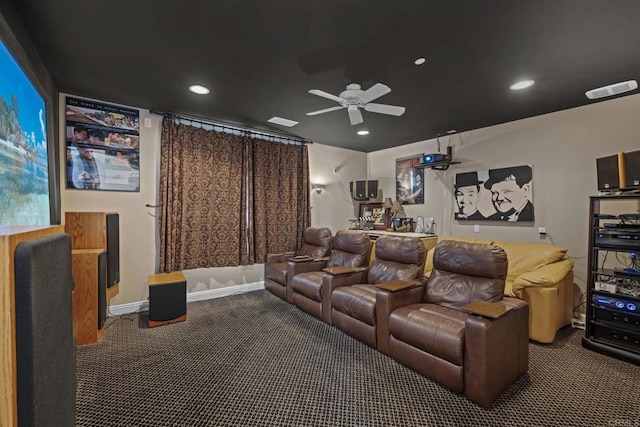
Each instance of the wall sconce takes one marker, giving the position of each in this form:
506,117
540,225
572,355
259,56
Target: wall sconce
318,187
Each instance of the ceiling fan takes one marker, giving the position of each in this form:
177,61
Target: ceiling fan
355,98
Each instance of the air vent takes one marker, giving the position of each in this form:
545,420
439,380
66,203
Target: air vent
284,122
614,89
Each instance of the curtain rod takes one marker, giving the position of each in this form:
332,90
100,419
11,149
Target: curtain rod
231,127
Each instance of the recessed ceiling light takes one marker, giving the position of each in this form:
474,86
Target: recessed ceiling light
419,61
200,90
451,131
363,132
521,85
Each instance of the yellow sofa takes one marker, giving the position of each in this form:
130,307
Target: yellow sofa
542,276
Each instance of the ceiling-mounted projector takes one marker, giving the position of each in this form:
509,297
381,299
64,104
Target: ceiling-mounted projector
437,161
428,159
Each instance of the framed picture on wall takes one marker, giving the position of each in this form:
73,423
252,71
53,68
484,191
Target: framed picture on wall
375,211
102,146
504,194
409,181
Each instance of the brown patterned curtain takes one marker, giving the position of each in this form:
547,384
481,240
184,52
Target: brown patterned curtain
214,197
281,183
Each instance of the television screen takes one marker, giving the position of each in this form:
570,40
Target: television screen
24,172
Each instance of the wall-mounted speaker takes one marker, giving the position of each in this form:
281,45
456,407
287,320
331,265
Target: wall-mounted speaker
372,189
359,190
363,190
632,169
611,172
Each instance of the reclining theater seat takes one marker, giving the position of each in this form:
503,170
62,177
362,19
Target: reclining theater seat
278,270
477,356
312,290
541,275
353,307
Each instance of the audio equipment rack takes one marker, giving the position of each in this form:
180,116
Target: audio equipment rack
613,293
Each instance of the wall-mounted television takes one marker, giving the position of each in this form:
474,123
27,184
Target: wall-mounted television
24,160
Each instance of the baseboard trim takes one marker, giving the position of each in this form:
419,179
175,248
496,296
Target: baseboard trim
133,307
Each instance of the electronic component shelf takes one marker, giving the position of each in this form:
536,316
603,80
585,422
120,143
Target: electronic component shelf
613,294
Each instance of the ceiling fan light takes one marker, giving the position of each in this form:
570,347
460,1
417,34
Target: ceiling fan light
200,90
523,84
363,132
355,98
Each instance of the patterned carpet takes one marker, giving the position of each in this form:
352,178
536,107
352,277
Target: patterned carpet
254,360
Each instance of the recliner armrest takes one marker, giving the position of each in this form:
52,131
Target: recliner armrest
386,302
294,268
496,352
281,257
344,279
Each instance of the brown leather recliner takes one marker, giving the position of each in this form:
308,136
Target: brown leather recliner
278,270
353,307
425,328
312,290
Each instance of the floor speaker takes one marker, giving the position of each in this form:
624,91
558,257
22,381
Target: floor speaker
45,347
102,289
167,299
610,171
632,169
113,249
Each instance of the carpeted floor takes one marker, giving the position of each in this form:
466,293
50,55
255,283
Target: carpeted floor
254,360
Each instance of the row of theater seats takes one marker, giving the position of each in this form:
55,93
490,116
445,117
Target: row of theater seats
388,305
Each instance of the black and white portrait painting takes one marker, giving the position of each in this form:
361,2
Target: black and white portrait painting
494,195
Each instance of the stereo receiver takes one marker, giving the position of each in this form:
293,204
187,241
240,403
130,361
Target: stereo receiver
625,238
615,303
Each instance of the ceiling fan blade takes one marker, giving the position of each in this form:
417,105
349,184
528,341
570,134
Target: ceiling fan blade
324,94
374,92
326,110
392,110
355,116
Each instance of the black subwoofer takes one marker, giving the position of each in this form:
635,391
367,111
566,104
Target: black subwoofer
167,299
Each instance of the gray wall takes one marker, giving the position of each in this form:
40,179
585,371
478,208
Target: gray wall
561,147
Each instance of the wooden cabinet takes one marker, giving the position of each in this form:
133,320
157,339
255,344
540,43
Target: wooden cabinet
97,230
87,266
88,230
10,237
96,270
